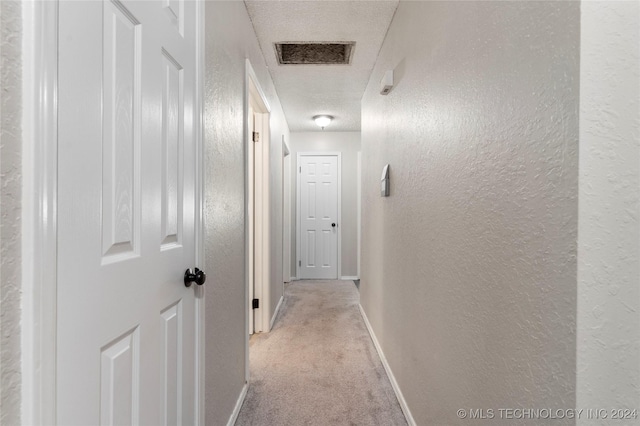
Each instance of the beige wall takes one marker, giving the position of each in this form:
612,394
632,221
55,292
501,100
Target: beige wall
230,39
469,267
609,234
10,211
347,143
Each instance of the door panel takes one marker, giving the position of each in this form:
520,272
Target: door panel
173,354
120,380
318,192
126,202
172,149
328,251
311,200
120,134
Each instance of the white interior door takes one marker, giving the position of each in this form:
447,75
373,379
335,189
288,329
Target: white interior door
260,221
258,145
126,345
318,216
251,217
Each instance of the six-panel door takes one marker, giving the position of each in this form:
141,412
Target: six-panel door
318,194
126,322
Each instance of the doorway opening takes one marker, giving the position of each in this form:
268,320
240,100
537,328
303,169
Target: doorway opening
257,148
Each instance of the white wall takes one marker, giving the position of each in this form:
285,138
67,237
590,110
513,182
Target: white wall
230,39
609,209
348,143
469,267
10,211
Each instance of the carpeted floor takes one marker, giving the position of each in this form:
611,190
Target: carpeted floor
318,365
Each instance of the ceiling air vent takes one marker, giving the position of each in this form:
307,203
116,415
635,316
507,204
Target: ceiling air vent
323,53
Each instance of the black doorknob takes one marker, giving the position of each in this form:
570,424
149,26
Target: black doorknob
198,277
333,225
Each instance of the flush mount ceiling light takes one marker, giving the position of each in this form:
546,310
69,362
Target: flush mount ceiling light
322,120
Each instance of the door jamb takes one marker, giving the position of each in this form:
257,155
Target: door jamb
261,265
254,92
299,220
39,211
250,217
359,209
200,258
286,212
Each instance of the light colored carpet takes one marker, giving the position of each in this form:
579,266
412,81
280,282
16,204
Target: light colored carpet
318,365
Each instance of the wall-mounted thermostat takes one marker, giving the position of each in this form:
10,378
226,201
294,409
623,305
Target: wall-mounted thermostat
384,182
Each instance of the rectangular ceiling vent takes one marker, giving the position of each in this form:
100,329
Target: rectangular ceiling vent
316,53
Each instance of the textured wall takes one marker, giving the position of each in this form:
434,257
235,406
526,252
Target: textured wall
469,267
229,40
609,234
10,210
348,143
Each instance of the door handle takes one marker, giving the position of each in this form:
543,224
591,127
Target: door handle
198,277
333,225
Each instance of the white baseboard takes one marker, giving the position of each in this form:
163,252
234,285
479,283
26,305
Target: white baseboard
294,279
236,410
349,278
275,313
387,368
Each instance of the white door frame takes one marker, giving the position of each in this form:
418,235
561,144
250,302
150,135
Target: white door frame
359,208
199,204
286,212
250,222
298,219
257,220
39,211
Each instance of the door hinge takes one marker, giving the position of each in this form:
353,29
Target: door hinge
300,169
299,262
256,137
255,304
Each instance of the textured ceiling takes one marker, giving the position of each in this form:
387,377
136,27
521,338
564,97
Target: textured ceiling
308,90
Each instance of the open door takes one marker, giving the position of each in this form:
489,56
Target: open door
127,322
251,217
257,205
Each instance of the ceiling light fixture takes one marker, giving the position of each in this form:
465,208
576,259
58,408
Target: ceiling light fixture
323,120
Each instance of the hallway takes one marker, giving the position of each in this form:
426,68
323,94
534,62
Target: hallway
477,171
318,365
